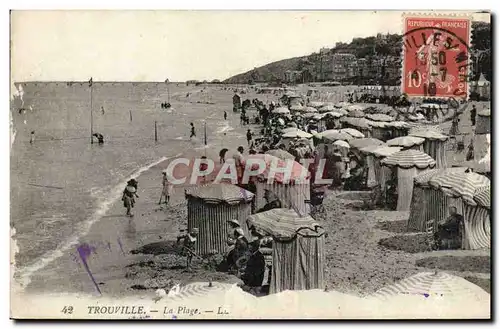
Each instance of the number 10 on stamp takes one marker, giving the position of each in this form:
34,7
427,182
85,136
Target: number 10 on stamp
436,59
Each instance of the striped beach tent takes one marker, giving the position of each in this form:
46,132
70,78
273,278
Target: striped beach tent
399,128
378,175
407,142
210,207
434,145
290,184
298,249
381,130
409,163
462,184
477,220
435,284
429,203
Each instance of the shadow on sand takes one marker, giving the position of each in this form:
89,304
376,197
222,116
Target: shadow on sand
480,264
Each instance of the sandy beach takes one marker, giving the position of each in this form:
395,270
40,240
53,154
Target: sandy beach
366,249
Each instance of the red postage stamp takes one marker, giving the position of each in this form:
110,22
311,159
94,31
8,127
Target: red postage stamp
436,61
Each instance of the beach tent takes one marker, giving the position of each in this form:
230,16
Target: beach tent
378,175
292,189
296,133
468,188
409,163
298,249
399,128
428,202
381,130
407,142
210,207
434,145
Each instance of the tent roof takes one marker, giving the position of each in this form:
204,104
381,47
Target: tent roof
217,193
409,159
285,224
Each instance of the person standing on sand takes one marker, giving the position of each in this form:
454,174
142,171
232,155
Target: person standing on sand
473,113
239,162
225,115
129,194
193,132
32,137
249,137
102,110
167,189
188,244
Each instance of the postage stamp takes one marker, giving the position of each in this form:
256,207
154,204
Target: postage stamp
436,56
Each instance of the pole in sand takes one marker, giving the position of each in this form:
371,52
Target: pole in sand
156,133
91,115
168,91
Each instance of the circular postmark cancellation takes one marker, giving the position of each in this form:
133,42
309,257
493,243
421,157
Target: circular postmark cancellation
436,57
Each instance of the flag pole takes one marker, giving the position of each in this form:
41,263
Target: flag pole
91,115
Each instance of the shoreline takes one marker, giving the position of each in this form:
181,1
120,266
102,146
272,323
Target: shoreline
112,234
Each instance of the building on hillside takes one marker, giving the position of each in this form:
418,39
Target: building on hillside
293,76
343,66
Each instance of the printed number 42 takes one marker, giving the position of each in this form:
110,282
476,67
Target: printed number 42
67,310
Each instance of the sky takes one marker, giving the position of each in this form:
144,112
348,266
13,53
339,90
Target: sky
178,45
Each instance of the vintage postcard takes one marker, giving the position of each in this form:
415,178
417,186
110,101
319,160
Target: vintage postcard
250,165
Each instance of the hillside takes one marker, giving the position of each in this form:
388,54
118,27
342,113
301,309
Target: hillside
271,72
370,48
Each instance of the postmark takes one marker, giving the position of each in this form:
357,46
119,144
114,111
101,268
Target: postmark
436,52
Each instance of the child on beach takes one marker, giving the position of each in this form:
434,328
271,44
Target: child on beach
167,189
129,194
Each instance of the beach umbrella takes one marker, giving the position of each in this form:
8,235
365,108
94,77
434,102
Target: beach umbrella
333,114
316,104
356,113
424,178
309,109
318,116
341,143
357,122
297,107
429,134
340,111
326,108
409,159
356,107
333,135
360,143
378,124
398,124
381,150
435,284
353,132
406,141
430,106
282,154
281,110
482,196
379,117
462,184
308,115
342,105
425,128
292,125
297,133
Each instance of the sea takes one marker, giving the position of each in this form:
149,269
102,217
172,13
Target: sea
61,183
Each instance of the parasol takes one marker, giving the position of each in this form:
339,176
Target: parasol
406,141
409,159
379,117
360,143
342,143
296,133
353,132
356,114
281,110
